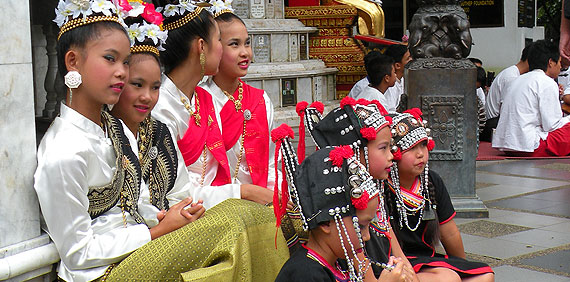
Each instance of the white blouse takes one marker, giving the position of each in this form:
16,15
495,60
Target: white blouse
531,109
75,154
393,95
243,177
498,89
358,87
171,111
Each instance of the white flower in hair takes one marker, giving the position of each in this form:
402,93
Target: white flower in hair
170,10
220,5
187,5
152,31
62,11
134,31
138,8
79,7
103,6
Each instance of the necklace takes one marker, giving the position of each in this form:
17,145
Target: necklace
237,103
204,159
247,116
196,112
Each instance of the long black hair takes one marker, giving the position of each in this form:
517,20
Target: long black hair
178,42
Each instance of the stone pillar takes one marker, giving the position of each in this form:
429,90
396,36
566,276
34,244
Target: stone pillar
20,233
441,82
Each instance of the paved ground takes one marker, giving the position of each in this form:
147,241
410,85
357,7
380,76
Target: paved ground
527,234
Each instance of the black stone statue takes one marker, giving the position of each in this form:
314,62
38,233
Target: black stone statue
440,28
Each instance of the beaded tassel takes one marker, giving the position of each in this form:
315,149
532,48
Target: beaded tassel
403,209
351,271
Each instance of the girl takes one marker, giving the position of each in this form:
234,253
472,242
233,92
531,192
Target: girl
245,115
338,200
421,209
361,124
193,50
87,179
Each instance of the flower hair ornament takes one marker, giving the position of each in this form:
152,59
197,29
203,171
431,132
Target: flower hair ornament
71,14
220,7
144,26
178,15
409,129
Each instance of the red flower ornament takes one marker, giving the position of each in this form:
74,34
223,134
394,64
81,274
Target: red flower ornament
362,202
397,155
347,101
339,154
368,132
151,15
319,106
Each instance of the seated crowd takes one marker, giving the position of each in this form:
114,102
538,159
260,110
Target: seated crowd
164,165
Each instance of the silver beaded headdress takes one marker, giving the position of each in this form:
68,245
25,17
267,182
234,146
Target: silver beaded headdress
408,130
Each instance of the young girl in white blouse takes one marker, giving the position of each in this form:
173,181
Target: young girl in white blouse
245,113
87,179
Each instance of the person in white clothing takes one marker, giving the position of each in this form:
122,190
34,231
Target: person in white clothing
496,93
382,76
242,109
87,179
401,56
363,83
480,83
531,122
192,51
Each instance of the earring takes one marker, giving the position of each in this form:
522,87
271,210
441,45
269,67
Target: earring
202,64
72,81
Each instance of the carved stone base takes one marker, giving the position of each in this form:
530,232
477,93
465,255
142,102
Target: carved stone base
470,207
444,89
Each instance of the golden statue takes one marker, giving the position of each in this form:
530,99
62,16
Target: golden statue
370,16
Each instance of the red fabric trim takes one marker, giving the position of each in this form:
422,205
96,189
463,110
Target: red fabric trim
192,143
257,131
450,218
557,141
424,241
480,270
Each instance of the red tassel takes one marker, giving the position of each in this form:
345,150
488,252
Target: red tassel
430,144
338,154
397,155
389,119
368,132
362,202
417,113
300,108
277,136
284,193
347,101
319,106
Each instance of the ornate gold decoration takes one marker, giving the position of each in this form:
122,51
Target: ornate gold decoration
144,49
84,21
196,112
184,20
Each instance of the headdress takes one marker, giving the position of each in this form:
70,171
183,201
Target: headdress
144,26
177,15
71,14
408,130
220,7
329,185
354,123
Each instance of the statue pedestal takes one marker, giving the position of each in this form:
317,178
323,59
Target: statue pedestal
444,89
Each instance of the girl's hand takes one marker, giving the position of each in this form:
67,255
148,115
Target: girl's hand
176,217
259,195
400,273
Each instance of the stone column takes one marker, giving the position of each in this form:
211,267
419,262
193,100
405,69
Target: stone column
441,82
20,233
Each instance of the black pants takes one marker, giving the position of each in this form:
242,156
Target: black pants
487,133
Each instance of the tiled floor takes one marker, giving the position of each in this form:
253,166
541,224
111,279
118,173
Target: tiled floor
527,234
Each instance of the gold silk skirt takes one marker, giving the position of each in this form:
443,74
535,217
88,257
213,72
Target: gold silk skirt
235,240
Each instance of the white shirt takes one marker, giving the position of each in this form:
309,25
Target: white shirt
371,93
393,95
74,155
497,90
530,111
171,111
243,177
481,95
358,87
